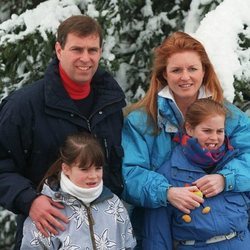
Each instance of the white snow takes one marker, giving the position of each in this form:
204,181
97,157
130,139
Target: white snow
45,17
218,31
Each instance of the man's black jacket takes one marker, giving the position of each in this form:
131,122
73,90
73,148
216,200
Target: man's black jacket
35,120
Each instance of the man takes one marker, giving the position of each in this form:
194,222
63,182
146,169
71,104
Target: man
74,95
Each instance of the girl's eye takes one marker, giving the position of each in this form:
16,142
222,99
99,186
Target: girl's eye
98,167
220,131
206,131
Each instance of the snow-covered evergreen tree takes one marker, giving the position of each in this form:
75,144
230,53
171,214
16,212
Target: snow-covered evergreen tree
132,29
225,33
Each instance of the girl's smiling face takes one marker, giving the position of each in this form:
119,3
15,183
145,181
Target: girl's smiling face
85,178
210,133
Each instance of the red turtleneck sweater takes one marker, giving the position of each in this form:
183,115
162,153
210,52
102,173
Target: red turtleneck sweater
76,91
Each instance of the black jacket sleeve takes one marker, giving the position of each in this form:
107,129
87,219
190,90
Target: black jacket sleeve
16,191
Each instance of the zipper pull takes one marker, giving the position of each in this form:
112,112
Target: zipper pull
91,219
106,148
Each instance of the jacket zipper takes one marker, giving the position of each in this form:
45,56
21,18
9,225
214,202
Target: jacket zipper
88,123
91,227
106,147
107,104
88,120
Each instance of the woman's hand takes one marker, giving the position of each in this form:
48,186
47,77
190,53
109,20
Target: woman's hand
210,185
46,215
184,198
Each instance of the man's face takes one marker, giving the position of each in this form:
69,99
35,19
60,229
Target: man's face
80,56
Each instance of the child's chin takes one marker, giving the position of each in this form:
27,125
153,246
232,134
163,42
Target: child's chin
211,148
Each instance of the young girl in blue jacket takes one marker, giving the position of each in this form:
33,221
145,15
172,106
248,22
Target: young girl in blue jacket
221,221
97,217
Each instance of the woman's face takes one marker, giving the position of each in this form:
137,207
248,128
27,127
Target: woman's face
184,74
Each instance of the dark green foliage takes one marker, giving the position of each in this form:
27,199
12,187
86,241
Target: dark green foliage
132,29
242,86
18,6
7,229
208,7
22,63
138,32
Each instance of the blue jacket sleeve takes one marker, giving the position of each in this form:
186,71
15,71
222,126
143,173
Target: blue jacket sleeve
237,171
142,185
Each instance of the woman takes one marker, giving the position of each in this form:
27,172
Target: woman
182,73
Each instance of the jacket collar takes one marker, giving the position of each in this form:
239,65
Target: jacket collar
103,84
180,161
167,93
170,117
58,195
57,101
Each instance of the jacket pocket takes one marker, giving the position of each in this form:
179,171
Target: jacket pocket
236,201
179,177
236,207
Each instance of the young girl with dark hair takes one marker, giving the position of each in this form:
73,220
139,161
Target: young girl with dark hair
97,217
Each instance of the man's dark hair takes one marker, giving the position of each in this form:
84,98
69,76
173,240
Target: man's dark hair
79,25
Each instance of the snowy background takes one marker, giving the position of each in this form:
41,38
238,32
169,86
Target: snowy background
132,29
219,32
